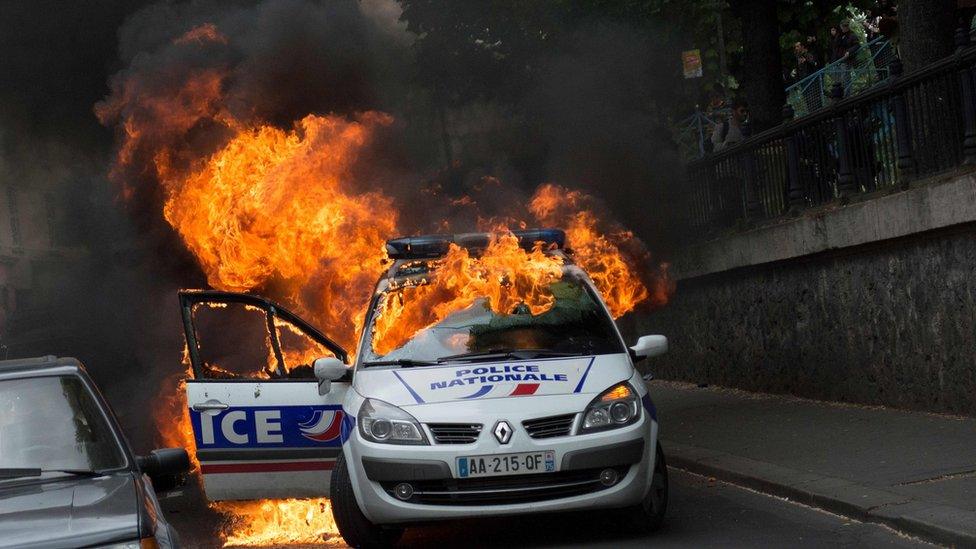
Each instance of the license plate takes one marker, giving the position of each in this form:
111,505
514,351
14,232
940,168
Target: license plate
494,465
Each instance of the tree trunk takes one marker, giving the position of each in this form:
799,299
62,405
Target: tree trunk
926,30
445,136
761,80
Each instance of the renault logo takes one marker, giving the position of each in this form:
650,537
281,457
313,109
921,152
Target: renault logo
503,432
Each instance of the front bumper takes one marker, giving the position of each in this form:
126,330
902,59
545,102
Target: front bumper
375,468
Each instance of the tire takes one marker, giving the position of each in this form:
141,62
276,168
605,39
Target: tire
648,515
353,525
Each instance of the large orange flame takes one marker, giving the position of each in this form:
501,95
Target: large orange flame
613,257
275,210
504,273
272,204
278,522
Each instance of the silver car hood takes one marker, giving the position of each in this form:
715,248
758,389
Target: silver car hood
469,381
69,512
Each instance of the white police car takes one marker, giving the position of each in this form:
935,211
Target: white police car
543,413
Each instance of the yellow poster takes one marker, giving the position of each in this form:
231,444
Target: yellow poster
691,63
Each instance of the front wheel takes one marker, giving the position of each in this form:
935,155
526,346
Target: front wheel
648,515
353,525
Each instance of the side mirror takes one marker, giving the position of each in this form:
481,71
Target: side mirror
166,467
327,370
649,345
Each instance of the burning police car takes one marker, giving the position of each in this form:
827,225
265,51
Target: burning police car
516,395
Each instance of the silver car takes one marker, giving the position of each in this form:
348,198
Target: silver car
67,476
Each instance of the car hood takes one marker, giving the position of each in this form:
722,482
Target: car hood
489,380
69,512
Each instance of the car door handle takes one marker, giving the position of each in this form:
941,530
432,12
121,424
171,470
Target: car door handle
210,405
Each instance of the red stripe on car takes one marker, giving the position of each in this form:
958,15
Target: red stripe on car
216,468
523,389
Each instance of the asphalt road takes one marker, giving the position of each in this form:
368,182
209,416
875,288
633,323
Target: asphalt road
702,513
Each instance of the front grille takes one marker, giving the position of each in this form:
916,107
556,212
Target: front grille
546,427
455,433
506,490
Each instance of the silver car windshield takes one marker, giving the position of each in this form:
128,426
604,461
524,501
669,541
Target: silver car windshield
54,423
575,324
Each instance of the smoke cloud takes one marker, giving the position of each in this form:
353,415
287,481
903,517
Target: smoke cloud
599,115
589,118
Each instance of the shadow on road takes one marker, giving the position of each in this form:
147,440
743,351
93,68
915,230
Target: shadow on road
703,513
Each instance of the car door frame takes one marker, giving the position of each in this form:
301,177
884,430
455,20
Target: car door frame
189,298
254,471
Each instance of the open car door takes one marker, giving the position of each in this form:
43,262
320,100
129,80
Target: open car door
261,428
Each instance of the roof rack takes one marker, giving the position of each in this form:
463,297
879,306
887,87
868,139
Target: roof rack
436,245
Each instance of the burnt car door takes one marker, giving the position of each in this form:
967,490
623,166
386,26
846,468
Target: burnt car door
261,427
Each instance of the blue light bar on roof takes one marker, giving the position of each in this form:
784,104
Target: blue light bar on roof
436,245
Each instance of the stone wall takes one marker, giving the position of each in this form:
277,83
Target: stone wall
891,321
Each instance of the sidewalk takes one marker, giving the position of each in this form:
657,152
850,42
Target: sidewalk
915,472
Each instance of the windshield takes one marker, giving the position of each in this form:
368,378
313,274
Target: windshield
54,423
573,323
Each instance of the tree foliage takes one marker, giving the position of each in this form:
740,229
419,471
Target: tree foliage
474,50
491,49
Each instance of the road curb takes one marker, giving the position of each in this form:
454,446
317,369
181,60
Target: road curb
936,523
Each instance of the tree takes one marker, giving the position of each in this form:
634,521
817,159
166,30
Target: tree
926,29
488,49
800,19
493,49
762,66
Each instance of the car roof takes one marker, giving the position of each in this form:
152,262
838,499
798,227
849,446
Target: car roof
400,268
433,246
39,366
413,255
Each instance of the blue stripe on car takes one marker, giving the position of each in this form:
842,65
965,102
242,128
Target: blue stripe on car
649,406
409,388
348,425
579,387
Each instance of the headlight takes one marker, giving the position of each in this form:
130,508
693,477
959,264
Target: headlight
382,422
616,407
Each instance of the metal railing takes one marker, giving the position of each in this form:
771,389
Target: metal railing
867,65
910,126
693,135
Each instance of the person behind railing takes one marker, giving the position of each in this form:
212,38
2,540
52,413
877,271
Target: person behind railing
806,62
872,25
814,46
888,26
880,26
730,131
845,48
846,43
715,99
832,46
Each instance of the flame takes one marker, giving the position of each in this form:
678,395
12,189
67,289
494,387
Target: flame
276,210
505,274
206,32
612,256
508,275
277,522
172,415
296,348
271,205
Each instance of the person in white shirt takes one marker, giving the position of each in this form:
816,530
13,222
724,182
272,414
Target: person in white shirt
729,132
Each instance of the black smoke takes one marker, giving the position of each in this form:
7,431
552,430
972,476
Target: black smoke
76,283
590,115
599,106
